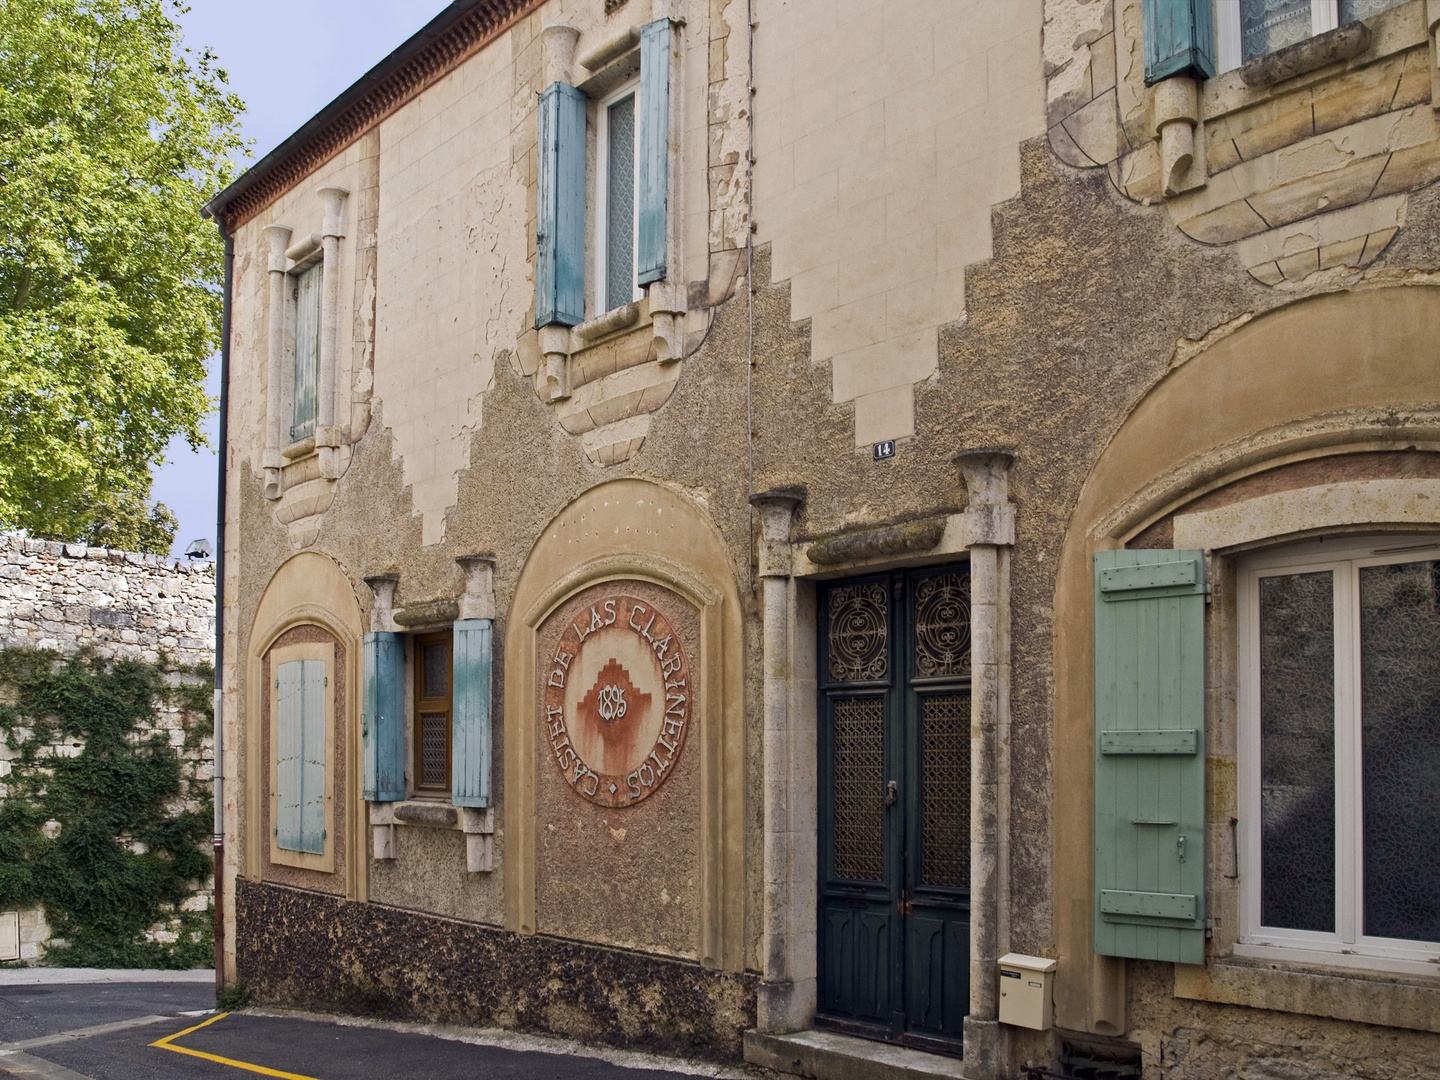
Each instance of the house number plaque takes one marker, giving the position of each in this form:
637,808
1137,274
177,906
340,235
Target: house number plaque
616,706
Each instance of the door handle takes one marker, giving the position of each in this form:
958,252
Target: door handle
890,793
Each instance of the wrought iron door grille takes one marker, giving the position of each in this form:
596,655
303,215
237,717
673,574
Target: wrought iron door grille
859,730
945,773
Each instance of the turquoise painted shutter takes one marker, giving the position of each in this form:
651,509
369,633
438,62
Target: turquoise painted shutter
1179,39
312,781
654,152
560,208
290,770
470,710
1150,755
382,718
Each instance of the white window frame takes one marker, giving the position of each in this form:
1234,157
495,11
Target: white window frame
1347,946
1324,15
602,195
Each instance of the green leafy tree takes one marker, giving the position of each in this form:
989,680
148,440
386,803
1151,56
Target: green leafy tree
112,135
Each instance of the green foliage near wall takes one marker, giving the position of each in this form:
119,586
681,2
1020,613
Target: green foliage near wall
127,852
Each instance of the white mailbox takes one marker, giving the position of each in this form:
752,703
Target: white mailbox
1025,990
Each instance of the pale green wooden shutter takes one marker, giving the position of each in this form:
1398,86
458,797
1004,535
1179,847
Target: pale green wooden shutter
290,753
1179,39
307,352
1150,755
382,718
560,208
654,152
312,784
470,710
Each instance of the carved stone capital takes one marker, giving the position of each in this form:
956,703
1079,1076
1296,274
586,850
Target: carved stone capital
279,237
557,50
333,198
776,509
992,516
479,599
382,615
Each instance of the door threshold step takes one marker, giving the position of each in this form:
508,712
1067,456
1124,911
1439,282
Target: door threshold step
828,1055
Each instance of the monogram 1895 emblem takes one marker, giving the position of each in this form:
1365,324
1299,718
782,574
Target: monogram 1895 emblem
617,701
611,703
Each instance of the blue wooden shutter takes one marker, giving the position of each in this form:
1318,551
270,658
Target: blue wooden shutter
312,780
382,718
654,152
290,754
560,208
470,710
1150,755
1179,39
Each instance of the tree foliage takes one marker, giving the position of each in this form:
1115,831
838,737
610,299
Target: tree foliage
93,832
112,135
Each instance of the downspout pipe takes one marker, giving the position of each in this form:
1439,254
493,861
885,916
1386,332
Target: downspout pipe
219,769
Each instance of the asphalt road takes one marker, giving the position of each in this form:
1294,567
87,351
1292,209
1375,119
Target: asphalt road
231,1047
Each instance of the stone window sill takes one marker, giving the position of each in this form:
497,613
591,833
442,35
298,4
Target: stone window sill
1397,1001
1391,32
297,450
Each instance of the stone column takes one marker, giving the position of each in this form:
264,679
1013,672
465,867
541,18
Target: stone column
327,434
276,393
992,528
786,998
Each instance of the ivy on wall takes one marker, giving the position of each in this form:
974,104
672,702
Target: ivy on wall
107,833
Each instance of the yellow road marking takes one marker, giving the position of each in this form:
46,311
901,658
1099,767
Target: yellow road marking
166,1044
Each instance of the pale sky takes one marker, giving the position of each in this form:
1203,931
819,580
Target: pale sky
287,60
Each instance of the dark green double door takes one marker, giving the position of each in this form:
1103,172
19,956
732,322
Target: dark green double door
894,918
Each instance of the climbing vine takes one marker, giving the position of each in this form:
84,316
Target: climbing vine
99,822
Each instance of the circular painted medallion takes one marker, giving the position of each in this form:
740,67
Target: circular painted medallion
616,705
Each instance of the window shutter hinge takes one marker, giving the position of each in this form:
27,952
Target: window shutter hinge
1209,593
276,830
277,684
327,680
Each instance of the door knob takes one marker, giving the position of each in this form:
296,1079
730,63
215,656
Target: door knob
890,796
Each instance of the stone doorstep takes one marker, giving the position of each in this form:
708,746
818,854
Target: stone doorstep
828,1055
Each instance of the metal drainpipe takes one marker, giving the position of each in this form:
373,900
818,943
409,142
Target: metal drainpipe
219,786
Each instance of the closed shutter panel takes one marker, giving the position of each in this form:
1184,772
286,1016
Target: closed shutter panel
1150,755
560,208
290,754
470,709
382,718
312,783
1179,39
654,151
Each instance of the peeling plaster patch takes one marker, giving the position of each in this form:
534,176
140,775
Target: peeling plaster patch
1188,348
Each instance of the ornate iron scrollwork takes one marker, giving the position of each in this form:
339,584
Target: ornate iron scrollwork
942,625
859,634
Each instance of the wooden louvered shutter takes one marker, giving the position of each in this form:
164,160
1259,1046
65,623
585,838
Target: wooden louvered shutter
382,718
1179,39
470,712
290,754
312,782
654,151
1150,755
560,208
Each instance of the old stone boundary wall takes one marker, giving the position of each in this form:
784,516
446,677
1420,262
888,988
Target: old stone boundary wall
120,604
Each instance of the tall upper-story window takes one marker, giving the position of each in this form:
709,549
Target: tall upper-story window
305,292
615,198
1246,29
1339,751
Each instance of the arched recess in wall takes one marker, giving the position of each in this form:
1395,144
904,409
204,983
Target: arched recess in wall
308,590
1343,373
633,535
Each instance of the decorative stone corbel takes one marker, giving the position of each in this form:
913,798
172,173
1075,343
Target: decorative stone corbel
555,346
276,391
327,434
1175,107
668,304
479,828
382,829
382,614
557,52
479,599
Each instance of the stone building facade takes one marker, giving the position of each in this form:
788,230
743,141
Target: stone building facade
120,604
766,510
